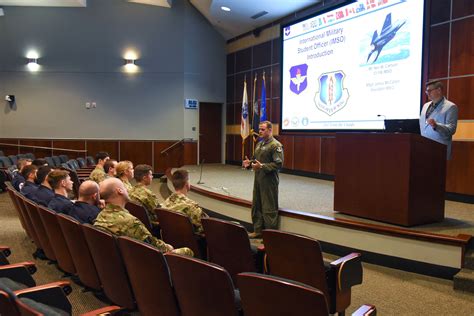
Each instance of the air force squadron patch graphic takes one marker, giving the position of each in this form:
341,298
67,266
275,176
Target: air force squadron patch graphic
332,96
298,81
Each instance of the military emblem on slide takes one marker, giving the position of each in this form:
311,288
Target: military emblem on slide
332,96
298,82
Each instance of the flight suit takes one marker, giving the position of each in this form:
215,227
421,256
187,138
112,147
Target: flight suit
265,189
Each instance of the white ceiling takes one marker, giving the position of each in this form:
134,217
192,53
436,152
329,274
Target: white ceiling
229,24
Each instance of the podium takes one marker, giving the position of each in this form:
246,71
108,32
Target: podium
390,177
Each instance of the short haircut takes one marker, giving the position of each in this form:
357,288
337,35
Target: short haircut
88,188
141,171
109,164
39,162
43,172
55,177
21,163
435,83
122,166
179,178
101,155
267,123
27,170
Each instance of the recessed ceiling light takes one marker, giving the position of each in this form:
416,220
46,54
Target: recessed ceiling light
226,9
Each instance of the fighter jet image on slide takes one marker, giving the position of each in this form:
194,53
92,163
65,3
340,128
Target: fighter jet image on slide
386,35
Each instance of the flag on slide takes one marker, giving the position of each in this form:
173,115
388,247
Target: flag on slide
263,103
244,119
255,117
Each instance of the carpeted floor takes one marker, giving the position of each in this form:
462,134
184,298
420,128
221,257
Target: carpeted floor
393,292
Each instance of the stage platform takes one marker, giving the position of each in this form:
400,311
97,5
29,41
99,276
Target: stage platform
306,207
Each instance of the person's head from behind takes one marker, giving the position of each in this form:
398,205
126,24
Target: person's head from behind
42,175
265,129
29,173
21,163
180,180
39,162
101,157
125,170
60,181
109,167
143,174
113,191
89,192
434,90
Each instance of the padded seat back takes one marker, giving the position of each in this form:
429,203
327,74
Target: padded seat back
13,159
79,250
109,265
264,295
295,257
229,246
7,305
28,222
50,161
90,161
56,160
150,278
82,162
202,288
6,162
177,230
13,198
57,240
30,156
139,212
63,158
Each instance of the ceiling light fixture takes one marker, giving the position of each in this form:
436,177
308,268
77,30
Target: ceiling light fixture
226,9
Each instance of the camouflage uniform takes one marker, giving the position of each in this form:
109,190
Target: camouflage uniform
265,188
98,174
120,222
181,203
127,185
141,194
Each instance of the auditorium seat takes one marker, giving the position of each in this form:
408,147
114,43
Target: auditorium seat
299,258
6,162
79,250
109,265
13,159
21,156
63,158
82,162
150,278
13,198
30,156
56,160
202,288
139,212
177,230
4,253
229,246
18,275
50,161
90,161
30,232
56,238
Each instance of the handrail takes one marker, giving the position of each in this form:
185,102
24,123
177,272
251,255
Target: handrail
42,147
165,151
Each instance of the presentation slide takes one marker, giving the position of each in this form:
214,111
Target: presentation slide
353,67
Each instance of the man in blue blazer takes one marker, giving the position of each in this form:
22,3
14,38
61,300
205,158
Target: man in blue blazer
439,117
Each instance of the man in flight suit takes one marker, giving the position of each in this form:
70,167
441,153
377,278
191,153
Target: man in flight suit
266,165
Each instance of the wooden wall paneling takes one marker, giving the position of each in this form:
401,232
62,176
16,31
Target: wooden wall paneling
276,82
288,149
138,152
438,51
248,146
462,48
307,153
229,148
229,114
439,11
237,148
276,108
239,87
461,8
69,144
38,152
328,155
172,159
243,60
230,63
261,55
110,146
230,89
460,169
190,153
238,113
9,150
461,93
276,50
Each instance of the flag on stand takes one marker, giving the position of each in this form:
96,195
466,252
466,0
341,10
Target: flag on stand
263,103
255,117
244,120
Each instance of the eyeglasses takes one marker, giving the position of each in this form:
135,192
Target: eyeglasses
427,91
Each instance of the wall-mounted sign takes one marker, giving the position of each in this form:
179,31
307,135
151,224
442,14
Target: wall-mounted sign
191,104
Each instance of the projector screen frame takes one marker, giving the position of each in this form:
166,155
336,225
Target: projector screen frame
328,132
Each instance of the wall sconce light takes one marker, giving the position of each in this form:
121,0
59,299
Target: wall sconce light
32,61
130,65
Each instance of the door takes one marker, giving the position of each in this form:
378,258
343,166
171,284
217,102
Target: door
210,132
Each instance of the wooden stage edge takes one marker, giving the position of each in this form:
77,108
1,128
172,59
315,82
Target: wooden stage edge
438,250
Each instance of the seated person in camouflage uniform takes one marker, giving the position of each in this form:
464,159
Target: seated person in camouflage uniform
98,174
44,194
117,220
109,168
179,202
87,206
61,183
141,194
29,174
125,172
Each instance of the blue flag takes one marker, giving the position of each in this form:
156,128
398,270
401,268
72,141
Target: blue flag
263,103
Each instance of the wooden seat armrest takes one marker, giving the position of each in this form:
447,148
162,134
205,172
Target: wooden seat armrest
365,310
5,250
64,286
51,294
29,265
109,310
19,272
339,261
348,271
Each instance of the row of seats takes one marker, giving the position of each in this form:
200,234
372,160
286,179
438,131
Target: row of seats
11,160
93,255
